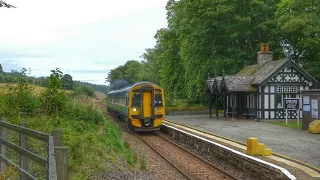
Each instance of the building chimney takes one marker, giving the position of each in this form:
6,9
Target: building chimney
264,55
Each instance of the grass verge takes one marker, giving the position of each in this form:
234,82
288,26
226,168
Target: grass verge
290,124
95,143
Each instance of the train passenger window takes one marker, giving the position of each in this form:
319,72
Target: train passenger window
136,100
158,100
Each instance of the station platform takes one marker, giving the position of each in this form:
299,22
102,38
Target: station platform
293,149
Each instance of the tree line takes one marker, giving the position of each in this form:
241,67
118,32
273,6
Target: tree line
211,37
67,81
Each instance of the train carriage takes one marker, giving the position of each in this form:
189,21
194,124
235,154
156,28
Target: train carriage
141,106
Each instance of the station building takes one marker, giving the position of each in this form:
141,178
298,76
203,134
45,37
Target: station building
258,91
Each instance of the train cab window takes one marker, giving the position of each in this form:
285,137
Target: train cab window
136,100
158,100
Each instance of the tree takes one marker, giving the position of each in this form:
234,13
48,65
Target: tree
150,67
67,82
132,69
1,70
299,28
116,74
3,4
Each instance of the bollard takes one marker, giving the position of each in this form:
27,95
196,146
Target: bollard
254,148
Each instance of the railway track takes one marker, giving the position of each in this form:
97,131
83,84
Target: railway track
186,162
190,165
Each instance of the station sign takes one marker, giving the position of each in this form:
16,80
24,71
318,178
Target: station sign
291,103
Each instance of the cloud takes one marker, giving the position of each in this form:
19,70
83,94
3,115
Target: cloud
80,37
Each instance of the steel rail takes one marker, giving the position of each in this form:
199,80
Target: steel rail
170,162
202,159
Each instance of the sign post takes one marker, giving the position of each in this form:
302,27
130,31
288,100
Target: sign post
292,104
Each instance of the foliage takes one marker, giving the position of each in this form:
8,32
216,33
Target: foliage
94,143
10,173
67,82
1,70
20,100
4,4
96,87
150,67
129,72
132,69
53,99
13,77
299,26
83,89
212,37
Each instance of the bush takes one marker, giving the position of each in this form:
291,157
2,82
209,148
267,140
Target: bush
20,100
54,100
83,108
83,89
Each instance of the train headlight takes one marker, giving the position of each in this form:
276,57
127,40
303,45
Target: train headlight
135,109
158,109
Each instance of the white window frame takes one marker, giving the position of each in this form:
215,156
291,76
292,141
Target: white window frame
279,89
294,89
286,89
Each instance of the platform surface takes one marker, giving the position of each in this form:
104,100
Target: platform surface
294,143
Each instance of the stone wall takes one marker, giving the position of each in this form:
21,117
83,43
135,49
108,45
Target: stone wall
261,170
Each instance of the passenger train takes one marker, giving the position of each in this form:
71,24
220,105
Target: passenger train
141,106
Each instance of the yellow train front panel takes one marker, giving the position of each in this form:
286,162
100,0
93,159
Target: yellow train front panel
146,106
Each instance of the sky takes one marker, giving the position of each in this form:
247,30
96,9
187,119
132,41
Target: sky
85,39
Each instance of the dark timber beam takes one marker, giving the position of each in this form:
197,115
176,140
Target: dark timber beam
210,104
233,105
217,113
225,105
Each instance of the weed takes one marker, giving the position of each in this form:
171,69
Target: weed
143,163
10,173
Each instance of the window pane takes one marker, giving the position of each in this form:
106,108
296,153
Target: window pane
294,89
279,100
158,100
279,89
136,100
287,89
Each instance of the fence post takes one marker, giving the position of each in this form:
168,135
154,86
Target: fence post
61,155
24,145
4,149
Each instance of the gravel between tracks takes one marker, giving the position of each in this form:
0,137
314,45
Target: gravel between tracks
198,169
219,163
156,166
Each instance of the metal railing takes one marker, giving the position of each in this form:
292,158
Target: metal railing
55,163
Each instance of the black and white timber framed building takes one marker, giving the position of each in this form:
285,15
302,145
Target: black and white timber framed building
259,90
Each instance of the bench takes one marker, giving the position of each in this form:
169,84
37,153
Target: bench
249,116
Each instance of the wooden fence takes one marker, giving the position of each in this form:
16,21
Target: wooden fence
56,162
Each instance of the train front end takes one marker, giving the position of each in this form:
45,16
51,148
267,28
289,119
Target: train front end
146,107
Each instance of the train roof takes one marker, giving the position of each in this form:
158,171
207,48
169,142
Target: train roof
134,85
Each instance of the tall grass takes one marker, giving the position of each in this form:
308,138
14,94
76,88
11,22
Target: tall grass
94,143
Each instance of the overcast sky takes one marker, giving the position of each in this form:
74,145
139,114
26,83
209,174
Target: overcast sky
83,38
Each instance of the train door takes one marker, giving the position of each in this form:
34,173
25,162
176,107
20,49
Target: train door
147,104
